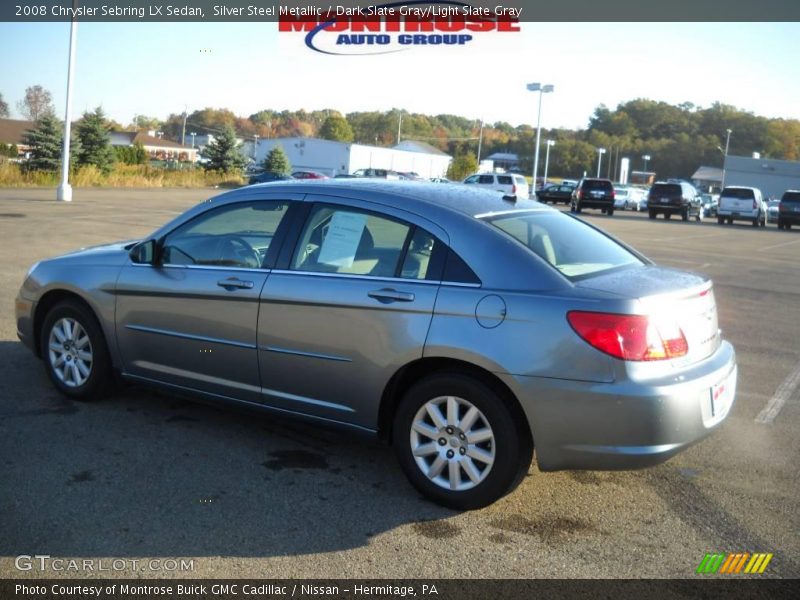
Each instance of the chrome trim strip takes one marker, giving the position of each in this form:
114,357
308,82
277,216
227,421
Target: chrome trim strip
203,268
301,353
398,280
189,336
305,400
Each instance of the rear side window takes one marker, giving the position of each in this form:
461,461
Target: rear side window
504,179
569,245
791,197
740,193
486,179
665,189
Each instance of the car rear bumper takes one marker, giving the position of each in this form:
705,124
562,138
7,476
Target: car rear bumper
743,215
603,204
788,218
626,424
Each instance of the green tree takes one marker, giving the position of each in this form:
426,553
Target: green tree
336,128
95,141
131,155
462,165
277,161
3,108
44,141
223,153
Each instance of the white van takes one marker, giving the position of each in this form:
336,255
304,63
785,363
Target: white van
741,203
508,183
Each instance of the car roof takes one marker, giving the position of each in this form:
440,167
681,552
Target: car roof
415,196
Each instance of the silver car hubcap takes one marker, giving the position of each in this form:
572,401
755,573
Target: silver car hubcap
70,352
452,443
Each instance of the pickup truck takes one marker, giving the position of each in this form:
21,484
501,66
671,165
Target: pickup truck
740,203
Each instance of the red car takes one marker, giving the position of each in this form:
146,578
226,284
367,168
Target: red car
308,175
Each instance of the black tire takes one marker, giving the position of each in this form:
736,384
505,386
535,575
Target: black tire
667,215
764,222
788,226
512,444
685,214
603,210
99,372
720,220
651,214
610,212
730,221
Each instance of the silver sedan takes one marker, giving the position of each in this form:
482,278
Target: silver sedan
464,327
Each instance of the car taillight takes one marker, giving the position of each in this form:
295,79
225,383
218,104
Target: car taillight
755,205
514,189
580,194
630,337
613,194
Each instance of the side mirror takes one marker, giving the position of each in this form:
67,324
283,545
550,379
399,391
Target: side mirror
144,253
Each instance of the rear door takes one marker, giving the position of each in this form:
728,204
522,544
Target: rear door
347,308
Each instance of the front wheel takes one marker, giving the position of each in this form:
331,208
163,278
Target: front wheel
75,352
720,220
458,442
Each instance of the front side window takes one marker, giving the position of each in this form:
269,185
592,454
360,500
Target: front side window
237,235
471,179
569,245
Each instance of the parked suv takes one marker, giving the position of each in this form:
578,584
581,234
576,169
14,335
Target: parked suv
674,198
593,193
789,209
508,183
740,203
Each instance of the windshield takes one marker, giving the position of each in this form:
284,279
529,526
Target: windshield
569,245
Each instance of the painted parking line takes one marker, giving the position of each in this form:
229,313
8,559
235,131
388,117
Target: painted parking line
779,245
687,237
782,394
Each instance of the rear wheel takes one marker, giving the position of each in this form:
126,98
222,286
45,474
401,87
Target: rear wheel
667,215
610,212
730,221
651,214
685,214
75,351
458,442
720,220
756,222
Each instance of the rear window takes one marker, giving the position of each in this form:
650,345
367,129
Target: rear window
569,245
791,197
666,189
740,193
597,184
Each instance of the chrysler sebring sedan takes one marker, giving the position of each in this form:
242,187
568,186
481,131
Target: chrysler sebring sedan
464,327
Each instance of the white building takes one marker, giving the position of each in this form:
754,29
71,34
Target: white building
333,158
772,177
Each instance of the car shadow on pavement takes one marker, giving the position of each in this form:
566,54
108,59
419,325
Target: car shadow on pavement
150,474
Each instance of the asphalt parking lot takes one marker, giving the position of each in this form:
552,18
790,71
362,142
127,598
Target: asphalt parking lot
150,475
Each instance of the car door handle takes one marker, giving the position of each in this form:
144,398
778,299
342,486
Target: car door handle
233,283
387,295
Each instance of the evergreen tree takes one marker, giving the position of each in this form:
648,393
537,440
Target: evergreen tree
45,144
95,141
3,108
277,161
336,128
223,153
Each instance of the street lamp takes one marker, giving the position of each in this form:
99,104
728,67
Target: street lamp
547,158
193,133
255,146
725,159
645,158
600,152
542,89
64,190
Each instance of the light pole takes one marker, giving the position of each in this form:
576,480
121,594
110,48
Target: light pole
542,89
600,152
645,158
255,146
64,191
725,159
547,158
480,141
193,133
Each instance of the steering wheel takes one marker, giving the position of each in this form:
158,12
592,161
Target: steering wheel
236,247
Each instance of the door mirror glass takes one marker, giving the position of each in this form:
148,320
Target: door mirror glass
144,253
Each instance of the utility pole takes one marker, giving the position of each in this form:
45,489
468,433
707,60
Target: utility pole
183,131
480,141
64,191
399,124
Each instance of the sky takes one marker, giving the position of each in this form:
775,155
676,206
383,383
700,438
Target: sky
156,69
